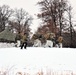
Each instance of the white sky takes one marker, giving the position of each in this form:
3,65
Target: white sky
31,8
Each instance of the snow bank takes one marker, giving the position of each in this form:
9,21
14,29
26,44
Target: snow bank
7,45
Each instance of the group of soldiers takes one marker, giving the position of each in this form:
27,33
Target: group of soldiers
56,40
21,40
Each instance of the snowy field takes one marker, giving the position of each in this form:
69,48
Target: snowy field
37,61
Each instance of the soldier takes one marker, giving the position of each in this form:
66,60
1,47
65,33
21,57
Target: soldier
24,41
60,40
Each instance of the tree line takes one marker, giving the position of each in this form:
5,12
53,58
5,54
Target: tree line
16,19
56,16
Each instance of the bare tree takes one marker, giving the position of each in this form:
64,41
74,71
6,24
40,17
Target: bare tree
70,24
23,20
5,14
53,11
62,7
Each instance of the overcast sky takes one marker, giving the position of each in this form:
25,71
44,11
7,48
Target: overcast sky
31,7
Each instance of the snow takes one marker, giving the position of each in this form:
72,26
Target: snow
6,45
37,59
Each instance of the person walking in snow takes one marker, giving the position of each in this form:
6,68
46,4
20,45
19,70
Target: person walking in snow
24,41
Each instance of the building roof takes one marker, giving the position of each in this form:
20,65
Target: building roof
7,35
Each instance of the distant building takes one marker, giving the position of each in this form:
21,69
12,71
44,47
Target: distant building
7,36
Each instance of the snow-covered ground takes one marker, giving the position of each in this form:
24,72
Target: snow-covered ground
34,60
7,45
